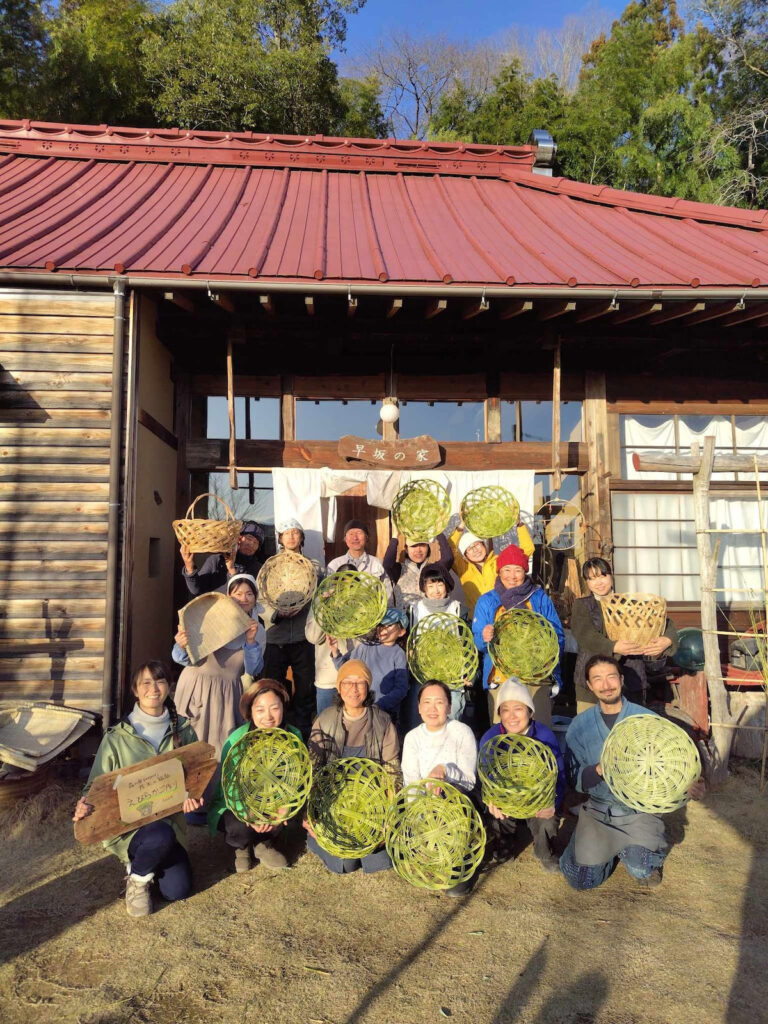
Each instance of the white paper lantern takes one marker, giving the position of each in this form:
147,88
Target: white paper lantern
389,412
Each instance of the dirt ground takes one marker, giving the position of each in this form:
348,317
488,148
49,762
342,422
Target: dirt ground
306,946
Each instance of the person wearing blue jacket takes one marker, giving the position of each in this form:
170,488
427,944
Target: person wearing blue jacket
516,711
514,588
385,658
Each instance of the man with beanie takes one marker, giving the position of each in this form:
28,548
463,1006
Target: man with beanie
514,588
217,569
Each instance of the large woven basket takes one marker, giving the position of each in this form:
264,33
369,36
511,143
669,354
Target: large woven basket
348,806
518,775
349,604
650,763
208,535
421,510
266,776
211,620
434,841
441,646
634,618
489,511
287,581
525,645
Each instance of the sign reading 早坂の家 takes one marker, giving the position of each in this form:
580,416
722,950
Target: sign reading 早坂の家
408,453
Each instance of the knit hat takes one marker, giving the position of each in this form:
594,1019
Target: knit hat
435,571
356,524
288,524
512,555
514,691
467,539
394,615
243,577
354,667
252,529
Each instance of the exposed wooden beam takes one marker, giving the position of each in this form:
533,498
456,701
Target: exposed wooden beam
676,310
433,307
267,304
550,310
309,305
351,305
509,309
711,311
222,301
474,307
182,301
743,316
670,462
393,307
592,310
287,409
635,311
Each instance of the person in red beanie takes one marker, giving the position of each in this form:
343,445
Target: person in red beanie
514,588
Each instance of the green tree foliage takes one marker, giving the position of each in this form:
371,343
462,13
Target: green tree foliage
22,41
363,117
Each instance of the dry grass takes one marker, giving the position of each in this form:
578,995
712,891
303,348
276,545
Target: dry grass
306,946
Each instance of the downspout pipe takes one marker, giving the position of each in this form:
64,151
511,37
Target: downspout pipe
113,519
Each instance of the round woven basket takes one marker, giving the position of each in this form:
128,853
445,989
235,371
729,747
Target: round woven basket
434,841
634,618
266,776
650,764
518,775
441,646
287,581
349,604
348,806
525,645
421,510
208,535
489,511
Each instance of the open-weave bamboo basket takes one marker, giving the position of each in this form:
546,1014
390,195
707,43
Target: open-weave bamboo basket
634,618
266,776
349,604
489,511
211,620
434,841
208,535
287,581
348,805
518,774
525,645
441,646
650,763
421,510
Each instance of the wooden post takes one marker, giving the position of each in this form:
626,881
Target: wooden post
492,409
596,494
231,412
557,478
391,431
287,409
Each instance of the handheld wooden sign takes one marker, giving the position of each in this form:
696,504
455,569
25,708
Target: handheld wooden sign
143,792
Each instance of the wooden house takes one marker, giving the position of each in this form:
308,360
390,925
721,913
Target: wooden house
141,270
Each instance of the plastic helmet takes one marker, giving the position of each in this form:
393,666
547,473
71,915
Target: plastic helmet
690,651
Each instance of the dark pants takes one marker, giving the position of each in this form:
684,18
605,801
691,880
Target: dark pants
240,835
373,862
300,658
155,849
542,831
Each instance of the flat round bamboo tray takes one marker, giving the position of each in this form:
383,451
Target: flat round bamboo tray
525,645
441,646
266,776
287,581
634,618
348,805
650,764
208,535
211,621
489,511
434,841
518,775
421,510
349,604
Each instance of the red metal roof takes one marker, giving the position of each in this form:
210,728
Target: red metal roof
218,206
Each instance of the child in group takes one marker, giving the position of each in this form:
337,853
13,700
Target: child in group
384,657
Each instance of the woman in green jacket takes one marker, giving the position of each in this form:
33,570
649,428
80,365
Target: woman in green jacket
154,851
263,706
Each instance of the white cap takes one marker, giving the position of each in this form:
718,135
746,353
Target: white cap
514,691
467,539
288,524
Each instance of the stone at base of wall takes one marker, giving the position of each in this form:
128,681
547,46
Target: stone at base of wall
748,742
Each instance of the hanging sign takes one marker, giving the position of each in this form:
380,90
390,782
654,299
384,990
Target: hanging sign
420,452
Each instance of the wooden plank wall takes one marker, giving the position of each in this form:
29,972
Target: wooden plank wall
55,398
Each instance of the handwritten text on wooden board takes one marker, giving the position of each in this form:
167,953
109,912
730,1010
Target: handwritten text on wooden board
408,453
151,790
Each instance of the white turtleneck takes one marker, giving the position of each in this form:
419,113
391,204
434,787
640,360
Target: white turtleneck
150,727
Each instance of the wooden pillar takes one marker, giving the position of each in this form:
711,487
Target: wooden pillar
287,410
492,410
231,413
557,478
596,494
391,431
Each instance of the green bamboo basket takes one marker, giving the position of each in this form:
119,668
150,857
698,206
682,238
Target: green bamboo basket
348,806
434,841
266,776
349,604
490,511
525,645
421,510
649,763
517,774
441,646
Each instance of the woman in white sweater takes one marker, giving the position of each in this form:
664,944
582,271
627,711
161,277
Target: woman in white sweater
439,749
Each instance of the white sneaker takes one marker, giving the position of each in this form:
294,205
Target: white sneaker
138,898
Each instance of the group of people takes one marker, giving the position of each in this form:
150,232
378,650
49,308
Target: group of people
358,699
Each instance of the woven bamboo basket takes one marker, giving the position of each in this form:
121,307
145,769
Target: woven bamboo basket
441,646
348,805
525,645
266,776
634,618
287,581
211,620
434,841
518,775
349,604
489,511
421,510
208,535
650,763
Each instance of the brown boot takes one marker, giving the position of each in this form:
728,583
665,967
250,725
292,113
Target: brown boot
243,860
269,856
